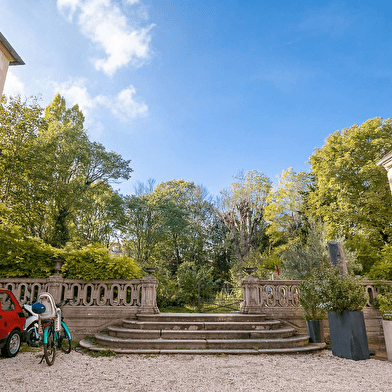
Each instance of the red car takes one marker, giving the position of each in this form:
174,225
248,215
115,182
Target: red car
12,320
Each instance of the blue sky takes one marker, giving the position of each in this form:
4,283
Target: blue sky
200,90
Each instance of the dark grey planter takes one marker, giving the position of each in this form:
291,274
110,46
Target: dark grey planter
315,331
348,335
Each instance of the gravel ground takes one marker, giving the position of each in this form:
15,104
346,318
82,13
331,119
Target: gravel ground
306,372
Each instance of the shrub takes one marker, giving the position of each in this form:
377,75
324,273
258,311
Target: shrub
189,275
24,256
384,303
94,263
339,293
310,298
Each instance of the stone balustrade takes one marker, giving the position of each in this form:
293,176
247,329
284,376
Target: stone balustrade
129,293
101,303
279,293
279,299
98,303
87,293
285,293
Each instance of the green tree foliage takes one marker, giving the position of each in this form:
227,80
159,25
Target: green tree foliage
143,224
284,210
352,194
301,257
170,222
21,182
99,217
75,165
309,298
95,263
189,276
339,293
186,217
51,171
382,269
241,209
167,226
24,256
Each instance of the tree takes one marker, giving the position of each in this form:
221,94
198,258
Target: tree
284,210
301,257
100,216
242,210
50,167
20,179
143,223
186,217
74,164
351,193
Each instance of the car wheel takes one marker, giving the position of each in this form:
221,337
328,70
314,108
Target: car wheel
12,345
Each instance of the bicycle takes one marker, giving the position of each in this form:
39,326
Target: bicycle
53,339
55,333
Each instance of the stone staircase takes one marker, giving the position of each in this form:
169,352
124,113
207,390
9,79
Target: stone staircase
190,333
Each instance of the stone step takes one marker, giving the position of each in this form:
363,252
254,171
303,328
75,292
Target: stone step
87,344
111,342
127,333
231,333
201,325
201,317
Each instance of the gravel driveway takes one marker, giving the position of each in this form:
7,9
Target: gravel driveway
306,372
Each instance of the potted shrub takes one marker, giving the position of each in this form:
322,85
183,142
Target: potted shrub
309,299
344,298
384,302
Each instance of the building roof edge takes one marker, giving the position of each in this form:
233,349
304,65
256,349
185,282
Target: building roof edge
17,60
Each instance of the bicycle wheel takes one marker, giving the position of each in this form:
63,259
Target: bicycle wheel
50,346
65,342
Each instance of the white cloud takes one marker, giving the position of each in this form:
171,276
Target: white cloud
13,85
125,106
132,2
75,92
71,4
124,41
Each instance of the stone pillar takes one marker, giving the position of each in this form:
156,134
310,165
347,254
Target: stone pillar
252,299
54,286
149,295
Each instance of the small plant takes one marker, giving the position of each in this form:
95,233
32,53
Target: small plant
103,353
339,293
310,299
91,339
25,348
384,302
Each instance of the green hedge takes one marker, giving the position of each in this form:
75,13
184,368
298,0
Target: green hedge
25,257
95,263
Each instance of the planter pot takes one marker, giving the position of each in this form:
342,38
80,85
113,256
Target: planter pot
315,331
348,335
387,328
